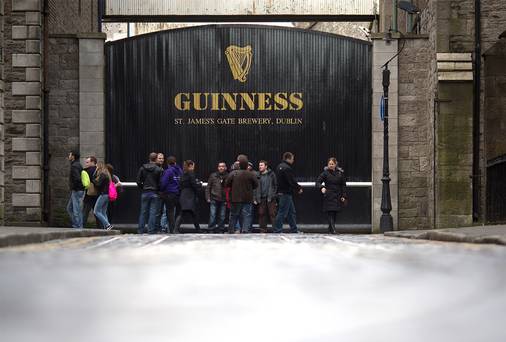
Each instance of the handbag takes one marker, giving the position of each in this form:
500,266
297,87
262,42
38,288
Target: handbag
113,194
344,200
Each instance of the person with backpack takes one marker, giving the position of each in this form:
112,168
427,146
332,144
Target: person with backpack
76,190
90,195
169,191
148,181
103,183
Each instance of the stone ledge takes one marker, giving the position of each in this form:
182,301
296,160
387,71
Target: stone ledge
481,234
15,236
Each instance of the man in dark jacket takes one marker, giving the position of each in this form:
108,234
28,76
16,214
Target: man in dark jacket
148,181
76,190
242,184
169,191
90,195
287,186
265,195
215,196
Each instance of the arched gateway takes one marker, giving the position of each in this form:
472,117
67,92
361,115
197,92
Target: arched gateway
208,93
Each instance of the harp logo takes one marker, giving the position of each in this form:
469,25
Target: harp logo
239,60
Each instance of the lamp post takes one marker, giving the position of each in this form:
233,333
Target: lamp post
386,221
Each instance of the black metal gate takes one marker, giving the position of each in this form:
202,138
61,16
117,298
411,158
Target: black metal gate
208,93
496,190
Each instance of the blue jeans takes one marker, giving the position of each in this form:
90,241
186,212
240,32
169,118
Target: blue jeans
286,210
242,212
74,208
100,210
217,212
150,212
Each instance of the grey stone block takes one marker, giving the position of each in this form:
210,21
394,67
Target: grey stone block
33,18
19,32
33,74
26,5
91,84
91,45
26,116
33,158
92,138
34,32
33,46
91,71
26,88
26,200
91,59
33,186
95,125
33,130
91,98
26,172
23,60
33,102
26,144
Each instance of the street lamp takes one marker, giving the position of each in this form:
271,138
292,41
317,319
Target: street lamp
386,221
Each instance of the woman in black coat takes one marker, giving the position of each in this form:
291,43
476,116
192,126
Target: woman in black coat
189,188
331,183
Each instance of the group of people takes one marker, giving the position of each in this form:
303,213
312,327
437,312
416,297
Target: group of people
92,189
169,195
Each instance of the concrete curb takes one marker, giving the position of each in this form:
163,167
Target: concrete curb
448,237
17,239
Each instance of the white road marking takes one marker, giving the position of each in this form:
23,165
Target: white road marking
358,245
104,242
156,242
285,238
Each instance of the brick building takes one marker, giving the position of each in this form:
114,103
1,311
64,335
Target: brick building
52,83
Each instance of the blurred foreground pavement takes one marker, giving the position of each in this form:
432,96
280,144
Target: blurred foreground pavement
252,288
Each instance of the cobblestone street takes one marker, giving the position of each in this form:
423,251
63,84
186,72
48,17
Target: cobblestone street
252,288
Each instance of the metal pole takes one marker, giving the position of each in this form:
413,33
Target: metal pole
386,221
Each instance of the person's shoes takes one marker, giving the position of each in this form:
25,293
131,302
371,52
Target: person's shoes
237,232
109,227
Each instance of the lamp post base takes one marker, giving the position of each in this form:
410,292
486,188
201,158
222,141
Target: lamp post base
386,223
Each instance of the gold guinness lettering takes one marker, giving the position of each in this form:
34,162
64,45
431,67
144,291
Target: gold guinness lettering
238,101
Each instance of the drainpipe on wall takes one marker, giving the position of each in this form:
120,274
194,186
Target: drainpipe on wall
45,118
394,16
476,177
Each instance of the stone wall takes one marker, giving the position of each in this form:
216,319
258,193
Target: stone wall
63,104
415,134
72,16
454,154
22,111
2,111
